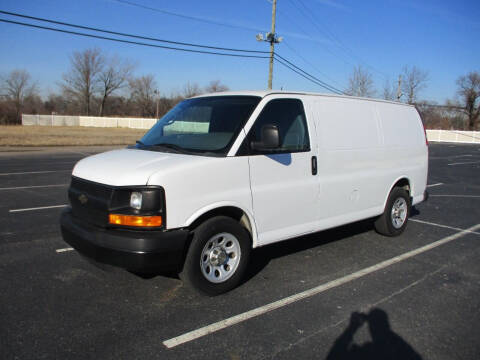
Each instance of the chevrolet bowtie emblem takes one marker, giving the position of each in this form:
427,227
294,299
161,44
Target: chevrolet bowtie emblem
83,199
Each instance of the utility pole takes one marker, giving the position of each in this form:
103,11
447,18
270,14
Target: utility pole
271,38
272,44
399,88
157,100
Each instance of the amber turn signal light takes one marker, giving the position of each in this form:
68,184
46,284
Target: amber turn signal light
133,220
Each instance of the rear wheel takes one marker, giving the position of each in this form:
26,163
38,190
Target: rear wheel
394,219
217,257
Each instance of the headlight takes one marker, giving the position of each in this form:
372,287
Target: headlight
140,206
136,200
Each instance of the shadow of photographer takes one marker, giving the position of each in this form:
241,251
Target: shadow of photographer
385,343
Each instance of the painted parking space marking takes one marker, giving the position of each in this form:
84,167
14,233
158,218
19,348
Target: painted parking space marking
37,208
223,324
34,172
64,250
442,226
433,185
457,156
33,187
458,196
464,163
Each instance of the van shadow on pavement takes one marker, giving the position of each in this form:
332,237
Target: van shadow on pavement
385,343
260,257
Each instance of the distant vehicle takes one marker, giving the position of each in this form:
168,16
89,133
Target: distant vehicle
223,173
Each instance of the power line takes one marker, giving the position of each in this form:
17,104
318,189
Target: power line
323,83
308,14
128,35
297,25
306,77
129,41
188,17
309,62
446,107
278,57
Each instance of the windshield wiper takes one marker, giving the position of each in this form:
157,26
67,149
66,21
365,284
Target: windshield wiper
182,150
140,142
172,147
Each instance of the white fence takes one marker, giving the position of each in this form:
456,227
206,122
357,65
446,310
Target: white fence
94,121
457,136
142,123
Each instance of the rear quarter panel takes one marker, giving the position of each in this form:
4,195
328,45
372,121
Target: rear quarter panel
405,146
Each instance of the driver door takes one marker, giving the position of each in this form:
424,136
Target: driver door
283,180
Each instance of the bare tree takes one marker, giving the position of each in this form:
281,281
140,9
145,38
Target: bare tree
360,83
56,103
469,91
389,90
215,86
82,81
142,94
18,86
414,80
191,89
112,77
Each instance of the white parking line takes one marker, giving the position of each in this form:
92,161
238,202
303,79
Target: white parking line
442,226
195,334
33,187
459,196
34,172
464,163
37,208
64,250
457,156
433,185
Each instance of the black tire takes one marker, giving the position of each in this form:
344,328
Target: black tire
390,222
219,245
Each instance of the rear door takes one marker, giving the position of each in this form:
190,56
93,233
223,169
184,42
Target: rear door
283,182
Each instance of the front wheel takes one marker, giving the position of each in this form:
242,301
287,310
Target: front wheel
394,219
217,257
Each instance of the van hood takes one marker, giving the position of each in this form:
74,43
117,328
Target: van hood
126,167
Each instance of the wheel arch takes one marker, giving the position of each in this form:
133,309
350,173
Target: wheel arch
403,182
232,210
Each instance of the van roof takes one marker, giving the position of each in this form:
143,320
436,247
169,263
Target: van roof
263,93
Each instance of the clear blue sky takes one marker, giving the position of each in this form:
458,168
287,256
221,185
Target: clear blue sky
441,37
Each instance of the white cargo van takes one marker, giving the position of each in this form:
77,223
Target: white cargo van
223,173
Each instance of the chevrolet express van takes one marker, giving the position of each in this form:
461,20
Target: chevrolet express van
222,174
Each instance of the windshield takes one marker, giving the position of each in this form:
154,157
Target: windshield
204,126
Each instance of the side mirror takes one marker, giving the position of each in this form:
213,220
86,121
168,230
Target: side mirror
269,139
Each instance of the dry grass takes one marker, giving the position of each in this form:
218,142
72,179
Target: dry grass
67,136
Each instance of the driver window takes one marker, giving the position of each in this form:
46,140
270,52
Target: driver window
289,117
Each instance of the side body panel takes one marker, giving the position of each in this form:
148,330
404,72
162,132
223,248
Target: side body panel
349,155
364,148
405,146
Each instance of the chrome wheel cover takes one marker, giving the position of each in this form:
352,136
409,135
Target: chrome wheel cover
399,212
220,257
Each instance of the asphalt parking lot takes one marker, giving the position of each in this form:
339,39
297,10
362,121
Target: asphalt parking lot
343,293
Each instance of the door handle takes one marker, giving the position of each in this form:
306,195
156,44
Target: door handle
314,165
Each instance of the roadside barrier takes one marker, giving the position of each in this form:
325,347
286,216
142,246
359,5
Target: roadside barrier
93,121
455,136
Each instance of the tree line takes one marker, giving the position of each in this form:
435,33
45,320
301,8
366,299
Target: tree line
95,85
460,113
101,85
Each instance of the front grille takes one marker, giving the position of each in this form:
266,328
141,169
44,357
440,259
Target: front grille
90,201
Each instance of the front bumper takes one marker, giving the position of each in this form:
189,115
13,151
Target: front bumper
141,251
